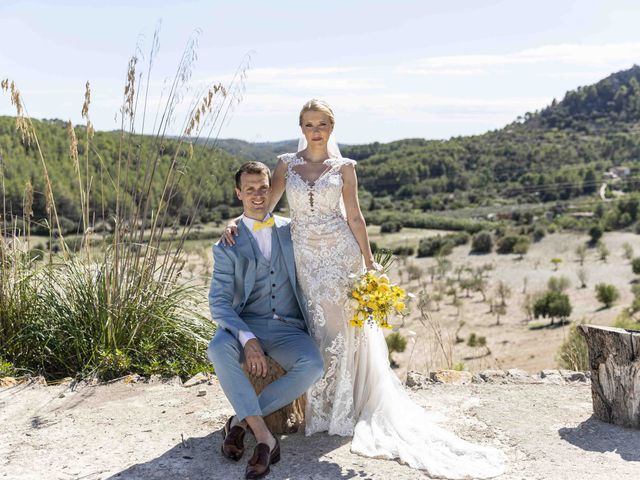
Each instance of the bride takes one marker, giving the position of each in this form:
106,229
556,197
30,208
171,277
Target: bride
359,394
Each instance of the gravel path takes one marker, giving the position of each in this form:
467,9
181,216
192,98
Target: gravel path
166,431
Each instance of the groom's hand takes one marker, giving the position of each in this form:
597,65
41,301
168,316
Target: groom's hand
255,359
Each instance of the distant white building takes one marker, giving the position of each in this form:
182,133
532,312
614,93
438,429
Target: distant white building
616,173
621,171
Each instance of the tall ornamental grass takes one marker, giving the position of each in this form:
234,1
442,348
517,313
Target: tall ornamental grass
115,303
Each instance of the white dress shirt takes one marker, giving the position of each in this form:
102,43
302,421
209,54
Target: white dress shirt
263,239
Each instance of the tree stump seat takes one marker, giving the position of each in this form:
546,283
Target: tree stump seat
614,359
289,418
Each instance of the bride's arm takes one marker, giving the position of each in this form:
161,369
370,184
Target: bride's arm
278,183
354,214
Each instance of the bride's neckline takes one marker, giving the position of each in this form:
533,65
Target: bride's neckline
300,157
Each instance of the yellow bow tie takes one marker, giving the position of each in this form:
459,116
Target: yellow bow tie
266,224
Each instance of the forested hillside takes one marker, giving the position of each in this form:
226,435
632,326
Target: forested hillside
265,152
558,154
207,172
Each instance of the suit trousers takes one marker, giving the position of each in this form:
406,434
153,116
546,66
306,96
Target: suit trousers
287,344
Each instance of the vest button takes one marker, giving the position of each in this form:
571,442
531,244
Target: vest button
273,296
273,310
272,272
273,284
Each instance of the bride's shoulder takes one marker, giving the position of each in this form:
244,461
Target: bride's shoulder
342,161
288,158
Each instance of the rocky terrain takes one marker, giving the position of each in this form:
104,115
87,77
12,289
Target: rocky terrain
137,428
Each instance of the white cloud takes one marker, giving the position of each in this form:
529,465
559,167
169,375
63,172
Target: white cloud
316,79
397,105
585,56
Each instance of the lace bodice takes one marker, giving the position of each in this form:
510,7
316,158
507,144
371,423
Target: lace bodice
318,199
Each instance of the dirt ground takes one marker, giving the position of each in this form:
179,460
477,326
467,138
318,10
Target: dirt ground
512,343
165,431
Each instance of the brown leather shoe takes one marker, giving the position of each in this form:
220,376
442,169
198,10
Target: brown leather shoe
233,443
258,465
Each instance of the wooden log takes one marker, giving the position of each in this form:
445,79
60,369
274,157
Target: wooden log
614,359
290,417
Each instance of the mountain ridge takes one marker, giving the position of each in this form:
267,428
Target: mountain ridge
558,153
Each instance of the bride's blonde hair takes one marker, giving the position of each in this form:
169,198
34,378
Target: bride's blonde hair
315,105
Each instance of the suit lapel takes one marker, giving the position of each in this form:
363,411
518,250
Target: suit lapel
245,250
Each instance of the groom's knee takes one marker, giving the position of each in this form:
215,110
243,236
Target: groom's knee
314,366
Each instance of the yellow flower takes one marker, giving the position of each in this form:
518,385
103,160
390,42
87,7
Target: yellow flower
374,298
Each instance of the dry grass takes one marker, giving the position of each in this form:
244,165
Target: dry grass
119,304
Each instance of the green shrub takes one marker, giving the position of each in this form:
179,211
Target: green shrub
6,369
395,343
573,353
507,243
552,305
522,246
558,284
607,294
635,265
390,226
482,243
476,341
595,233
624,320
603,250
458,367
404,251
441,245
82,326
538,233
20,287
635,303
427,221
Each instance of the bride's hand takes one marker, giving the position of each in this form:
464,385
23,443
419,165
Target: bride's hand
374,266
227,236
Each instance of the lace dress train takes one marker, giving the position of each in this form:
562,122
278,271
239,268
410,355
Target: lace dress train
359,394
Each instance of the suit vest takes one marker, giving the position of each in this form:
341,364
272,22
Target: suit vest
272,292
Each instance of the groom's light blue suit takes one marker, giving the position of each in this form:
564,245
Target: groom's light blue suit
252,294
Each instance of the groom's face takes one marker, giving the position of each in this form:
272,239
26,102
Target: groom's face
255,194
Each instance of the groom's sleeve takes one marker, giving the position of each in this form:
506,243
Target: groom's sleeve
244,337
222,292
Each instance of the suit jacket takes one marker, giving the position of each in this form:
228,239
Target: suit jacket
234,275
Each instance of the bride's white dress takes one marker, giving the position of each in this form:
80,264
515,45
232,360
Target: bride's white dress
359,394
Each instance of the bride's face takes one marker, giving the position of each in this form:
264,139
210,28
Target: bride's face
316,127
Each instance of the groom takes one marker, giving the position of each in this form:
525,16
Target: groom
254,300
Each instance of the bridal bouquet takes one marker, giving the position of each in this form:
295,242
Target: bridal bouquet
375,298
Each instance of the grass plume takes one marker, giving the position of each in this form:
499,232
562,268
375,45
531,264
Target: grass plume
117,303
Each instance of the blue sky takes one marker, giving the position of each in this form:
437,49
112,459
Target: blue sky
391,70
